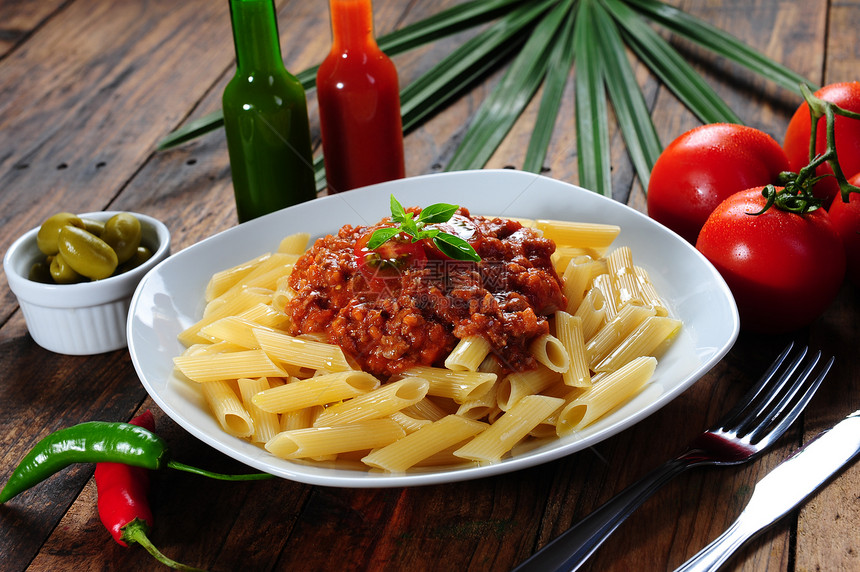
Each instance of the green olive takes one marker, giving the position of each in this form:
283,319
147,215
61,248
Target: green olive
41,271
96,227
141,255
86,253
49,232
61,272
122,233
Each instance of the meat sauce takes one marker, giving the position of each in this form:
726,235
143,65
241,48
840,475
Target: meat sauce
391,321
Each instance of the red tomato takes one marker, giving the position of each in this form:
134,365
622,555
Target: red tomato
706,165
783,269
847,132
846,220
386,262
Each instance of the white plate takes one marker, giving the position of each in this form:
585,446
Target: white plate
170,298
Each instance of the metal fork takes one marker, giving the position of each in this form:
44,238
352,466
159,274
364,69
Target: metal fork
757,421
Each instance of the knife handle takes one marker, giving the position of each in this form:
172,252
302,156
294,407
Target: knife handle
715,554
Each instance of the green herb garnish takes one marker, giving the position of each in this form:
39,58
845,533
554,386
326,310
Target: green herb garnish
448,244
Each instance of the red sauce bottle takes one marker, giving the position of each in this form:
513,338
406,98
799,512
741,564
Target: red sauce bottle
359,103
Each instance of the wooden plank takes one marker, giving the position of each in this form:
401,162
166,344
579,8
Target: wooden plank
827,526
83,110
19,18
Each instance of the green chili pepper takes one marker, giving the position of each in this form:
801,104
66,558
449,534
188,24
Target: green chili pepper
96,442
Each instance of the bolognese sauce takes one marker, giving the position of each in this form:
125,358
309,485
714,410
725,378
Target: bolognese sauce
407,304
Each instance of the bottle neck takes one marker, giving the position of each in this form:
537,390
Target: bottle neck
351,24
255,35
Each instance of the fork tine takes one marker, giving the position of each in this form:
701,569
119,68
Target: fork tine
753,416
769,435
730,419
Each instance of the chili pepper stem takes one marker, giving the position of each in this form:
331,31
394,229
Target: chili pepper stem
135,533
220,476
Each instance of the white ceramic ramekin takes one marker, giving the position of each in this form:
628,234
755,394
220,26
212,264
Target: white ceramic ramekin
86,318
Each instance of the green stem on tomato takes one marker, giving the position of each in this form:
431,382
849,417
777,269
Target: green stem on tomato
796,195
818,109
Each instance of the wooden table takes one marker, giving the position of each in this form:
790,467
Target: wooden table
87,89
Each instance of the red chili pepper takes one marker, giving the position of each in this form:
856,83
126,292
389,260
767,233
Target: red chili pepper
123,504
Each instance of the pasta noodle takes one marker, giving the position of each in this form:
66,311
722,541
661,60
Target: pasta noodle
509,429
301,397
319,390
606,394
549,351
228,409
468,354
266,425
569,331
429,440
461,386
380,402
318,442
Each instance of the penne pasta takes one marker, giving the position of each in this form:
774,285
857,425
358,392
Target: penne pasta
295,243
620,268
380,402
609,294
649,292
648,339
461,386
611,334
523,383
481,407
592,312
569,332
427,441
266,425
320,390
579,234
577,278
227,408
491,444
468,354
425,409
550,352
322,442
229,365
226,279
231,306
301,352
604,395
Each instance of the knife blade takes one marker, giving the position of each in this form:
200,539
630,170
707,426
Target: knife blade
781,490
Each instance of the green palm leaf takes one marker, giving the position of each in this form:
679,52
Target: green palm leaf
670,67
506,101
558,70
592,125
631,112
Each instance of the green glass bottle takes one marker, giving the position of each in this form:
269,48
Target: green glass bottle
265,117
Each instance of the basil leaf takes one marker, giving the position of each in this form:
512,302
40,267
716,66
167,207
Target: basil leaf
455,247
440,212
398,213
410,227
380,236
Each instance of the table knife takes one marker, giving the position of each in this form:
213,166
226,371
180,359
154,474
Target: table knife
781,490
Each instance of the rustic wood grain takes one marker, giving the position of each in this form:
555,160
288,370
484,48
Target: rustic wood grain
89,87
